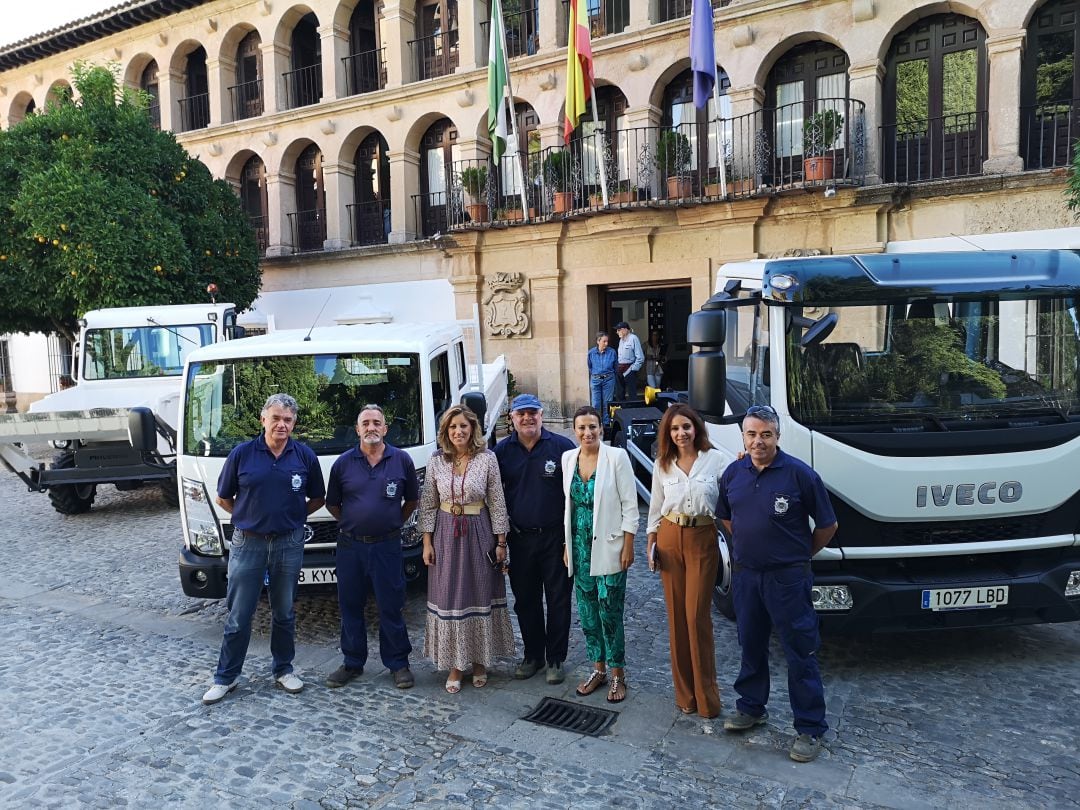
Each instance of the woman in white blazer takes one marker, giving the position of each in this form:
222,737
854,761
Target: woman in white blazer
601,519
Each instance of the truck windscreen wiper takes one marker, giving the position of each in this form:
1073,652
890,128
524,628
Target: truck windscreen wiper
152,322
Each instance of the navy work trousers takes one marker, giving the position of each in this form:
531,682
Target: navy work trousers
537,571
361,566
780,599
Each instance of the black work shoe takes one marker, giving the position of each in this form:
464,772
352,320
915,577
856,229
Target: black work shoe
805,748
741,721
555,673
403,678
342,675
526,669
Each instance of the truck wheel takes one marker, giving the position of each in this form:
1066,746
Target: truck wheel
169,492
70,499
723,596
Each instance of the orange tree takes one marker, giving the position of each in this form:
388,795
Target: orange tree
99,209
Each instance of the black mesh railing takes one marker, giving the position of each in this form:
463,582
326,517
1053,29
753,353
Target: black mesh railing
154,111
246,99
365,72
260,226
607,18
303,86
308,229
934,148
434,55
674,9
1047,134
369,222
194,112
431,212
521,34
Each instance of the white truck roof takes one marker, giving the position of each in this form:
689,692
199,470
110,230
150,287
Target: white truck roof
172,315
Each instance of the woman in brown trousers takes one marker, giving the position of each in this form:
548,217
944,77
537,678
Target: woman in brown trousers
683,547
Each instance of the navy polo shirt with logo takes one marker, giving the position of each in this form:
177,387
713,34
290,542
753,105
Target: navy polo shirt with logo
532,479
370,497
770,510
270,494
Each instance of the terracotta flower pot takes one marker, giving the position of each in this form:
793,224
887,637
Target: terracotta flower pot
478,212
818,168
679,188
563,201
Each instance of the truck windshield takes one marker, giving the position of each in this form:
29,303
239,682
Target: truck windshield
938,364
125,352
224,399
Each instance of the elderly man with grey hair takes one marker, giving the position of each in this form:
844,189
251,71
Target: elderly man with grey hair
269,485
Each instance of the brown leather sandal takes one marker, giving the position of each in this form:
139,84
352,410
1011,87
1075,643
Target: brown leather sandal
595,680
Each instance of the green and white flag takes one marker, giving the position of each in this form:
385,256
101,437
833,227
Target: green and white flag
497,83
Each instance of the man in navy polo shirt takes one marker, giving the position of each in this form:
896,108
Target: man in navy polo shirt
372,491
530,463
766,501
269,485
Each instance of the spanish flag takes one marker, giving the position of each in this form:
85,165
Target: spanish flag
579,67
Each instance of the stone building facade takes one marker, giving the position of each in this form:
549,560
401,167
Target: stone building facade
349,127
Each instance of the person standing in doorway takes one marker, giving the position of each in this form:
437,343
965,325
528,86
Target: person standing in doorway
766,501
655,357
602,362
530,464
269,485
631,359
372,491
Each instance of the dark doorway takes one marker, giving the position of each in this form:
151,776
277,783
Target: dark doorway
648,309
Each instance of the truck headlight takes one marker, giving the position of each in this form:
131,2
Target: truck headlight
204,536
831,597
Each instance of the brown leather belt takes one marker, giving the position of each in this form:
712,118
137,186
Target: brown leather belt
462,508
689,521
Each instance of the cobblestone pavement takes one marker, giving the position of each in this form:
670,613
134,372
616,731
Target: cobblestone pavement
104,661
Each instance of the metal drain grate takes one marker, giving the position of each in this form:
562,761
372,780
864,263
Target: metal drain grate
571,717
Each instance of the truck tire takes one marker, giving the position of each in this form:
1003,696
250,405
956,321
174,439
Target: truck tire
71,499
723,597
169,491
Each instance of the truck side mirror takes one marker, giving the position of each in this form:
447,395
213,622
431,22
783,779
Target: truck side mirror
142,430
235,332
477,403
706,331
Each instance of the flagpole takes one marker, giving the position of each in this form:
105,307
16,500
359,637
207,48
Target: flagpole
720,140
599,140
513,127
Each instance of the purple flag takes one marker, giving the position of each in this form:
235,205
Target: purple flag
702,52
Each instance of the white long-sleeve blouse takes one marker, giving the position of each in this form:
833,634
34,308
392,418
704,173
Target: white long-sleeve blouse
693,494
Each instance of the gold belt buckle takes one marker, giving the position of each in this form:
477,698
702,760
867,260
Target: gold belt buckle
457,509
691,522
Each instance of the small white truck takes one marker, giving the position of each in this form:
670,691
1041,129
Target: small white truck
125,358
414,370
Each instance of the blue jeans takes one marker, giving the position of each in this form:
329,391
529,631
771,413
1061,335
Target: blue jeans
249,560
378,566
781,598
602,388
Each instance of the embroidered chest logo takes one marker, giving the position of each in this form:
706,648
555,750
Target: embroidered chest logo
297,482
391,489
780,505
549,467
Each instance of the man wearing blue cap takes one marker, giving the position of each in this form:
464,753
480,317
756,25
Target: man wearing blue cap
530,462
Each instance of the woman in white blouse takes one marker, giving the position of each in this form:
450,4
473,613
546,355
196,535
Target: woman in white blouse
682,545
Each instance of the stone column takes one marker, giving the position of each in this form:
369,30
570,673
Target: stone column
642,13
551,26
280,202
470,37
335,47
864,84
170,90
275,62
746,121
219,72
397,27
1005,52
404,184
338,179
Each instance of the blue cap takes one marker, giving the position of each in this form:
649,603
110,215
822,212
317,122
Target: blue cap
524,402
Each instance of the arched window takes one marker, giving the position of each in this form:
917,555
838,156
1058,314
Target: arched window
438,154
148,83
699,126
607,16
195,106
935,100
365,67
370,218
253,199
436,46
303,84
508,190
309,221
247,93
1050,88
608,137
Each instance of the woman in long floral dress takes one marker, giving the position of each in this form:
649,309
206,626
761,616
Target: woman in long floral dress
463,519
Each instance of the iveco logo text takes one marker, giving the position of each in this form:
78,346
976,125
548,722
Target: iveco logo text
968,494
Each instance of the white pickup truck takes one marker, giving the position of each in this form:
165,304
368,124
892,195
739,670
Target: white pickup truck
413,370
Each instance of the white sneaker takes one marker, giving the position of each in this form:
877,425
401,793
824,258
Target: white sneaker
290,683
218,691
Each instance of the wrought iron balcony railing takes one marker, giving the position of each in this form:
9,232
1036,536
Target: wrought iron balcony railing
308,229
369,222
260,226
303,86
521,32
365,72
194,112
1047,134
247,100
937,148
435,55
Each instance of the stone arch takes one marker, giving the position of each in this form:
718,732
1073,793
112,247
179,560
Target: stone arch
22,105
60,90
904,21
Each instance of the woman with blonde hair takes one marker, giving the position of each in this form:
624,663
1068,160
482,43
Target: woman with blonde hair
464,522
682,544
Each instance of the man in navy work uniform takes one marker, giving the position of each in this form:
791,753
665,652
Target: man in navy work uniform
530,462
766,501
372,491
269,485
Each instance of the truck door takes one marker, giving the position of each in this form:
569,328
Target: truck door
441,391
458,369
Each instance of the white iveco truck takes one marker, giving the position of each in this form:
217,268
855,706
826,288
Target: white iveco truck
938,396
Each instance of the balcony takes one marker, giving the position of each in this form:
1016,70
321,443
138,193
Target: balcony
675,9
435,55
308,229
303,87
260,227
1047,134
365,72
246,100
194,112
369,222
521,34
948,146
609,17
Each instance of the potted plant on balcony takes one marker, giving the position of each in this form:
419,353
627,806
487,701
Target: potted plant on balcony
474,181
820,131
557,173
673,161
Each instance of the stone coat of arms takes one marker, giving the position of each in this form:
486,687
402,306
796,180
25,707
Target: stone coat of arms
506,305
